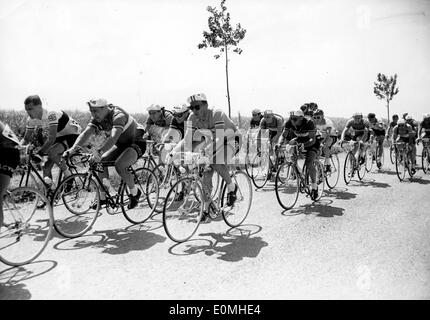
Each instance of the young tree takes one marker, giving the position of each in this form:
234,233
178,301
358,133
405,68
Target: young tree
222,36
385,88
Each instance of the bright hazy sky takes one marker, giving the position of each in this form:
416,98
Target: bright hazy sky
135,53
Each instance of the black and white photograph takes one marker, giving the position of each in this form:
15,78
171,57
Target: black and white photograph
226,152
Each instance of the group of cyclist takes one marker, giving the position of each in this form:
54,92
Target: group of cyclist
314,133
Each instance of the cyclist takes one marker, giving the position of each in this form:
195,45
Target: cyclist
300,130
256,119
9,160
273,123
415,126
158,122
326,133
393,123
177,126
424,131
403,132
309,109
204,124
360,132
124,145
61,131
377,132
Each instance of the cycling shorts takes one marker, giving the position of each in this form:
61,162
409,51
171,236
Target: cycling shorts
9,160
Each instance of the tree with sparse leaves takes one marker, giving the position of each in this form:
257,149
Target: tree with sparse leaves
385,88
222,36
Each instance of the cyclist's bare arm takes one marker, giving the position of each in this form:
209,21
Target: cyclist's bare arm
342,137
52,134
111,141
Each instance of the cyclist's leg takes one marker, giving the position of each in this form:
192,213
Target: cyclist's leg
54,156
380,140
4,183
127,158
309,161
110,155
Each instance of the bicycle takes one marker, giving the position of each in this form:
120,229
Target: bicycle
403,160
290,181
27,226
425,155
262,166
182,219
332,172
352,165
82,200
373,155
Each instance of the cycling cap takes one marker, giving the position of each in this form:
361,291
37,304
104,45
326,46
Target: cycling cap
409,117
426,116
297,113
371,115
312,105
401,121
180,108
268,112
197,97
357,114
405,114
256,111
154,107
318,112
304,107
98,103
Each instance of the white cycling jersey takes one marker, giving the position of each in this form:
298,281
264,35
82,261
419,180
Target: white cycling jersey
66,125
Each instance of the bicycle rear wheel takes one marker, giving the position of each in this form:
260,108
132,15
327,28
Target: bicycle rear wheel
147,183
260,167
287,186
362,168
77,203
348,167
392,154
166,177
236,214
368,154
400,165
27,226
425,160
320,179
183,217
332,177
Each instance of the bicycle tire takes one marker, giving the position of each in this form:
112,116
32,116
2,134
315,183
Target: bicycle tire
244,187
334,163
147,183
400,166
12,239
164,186
425,160
65,224
192,195
286,184
260,183
348,165
368,162
361,171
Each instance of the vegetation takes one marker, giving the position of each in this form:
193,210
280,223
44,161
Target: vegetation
385,88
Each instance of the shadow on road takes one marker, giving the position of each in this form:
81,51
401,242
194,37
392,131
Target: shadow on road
419,180
385,171
11,287
119,241
340,193
372,183
232,246
321,209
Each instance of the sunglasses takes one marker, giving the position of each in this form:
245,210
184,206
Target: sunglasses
154,112
255,114
294,118
317,117
196,107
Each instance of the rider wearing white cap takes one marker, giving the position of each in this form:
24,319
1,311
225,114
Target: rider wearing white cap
158,122
202,121
124,145
360,132
256,119
300,130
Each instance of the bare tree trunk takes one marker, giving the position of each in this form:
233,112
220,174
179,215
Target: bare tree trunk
226,75
388,112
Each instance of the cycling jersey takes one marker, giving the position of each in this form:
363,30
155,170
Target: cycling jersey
215,119
358,129
9,159
301,132
255,123
118,118
414,126
403,131
322,128
165,121
425,126
274,124
65,124
377,128
178,126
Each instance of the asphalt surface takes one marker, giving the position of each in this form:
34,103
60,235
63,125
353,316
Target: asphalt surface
367,240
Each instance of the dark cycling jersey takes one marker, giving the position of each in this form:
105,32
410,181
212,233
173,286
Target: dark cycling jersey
425,127
359,128
301,132
8,139
165,121
255,123
274,124
414,125
377,128
9,159
403,131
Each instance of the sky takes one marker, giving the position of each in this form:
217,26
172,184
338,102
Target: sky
135,53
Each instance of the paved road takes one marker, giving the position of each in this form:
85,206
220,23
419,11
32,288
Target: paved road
367,240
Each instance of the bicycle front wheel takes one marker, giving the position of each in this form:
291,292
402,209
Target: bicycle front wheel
425,160
147,184
369,156
287,186
77,204
332,175
235,215
27,226
260,167
348,168
400,165
362,168
392,154
182,218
